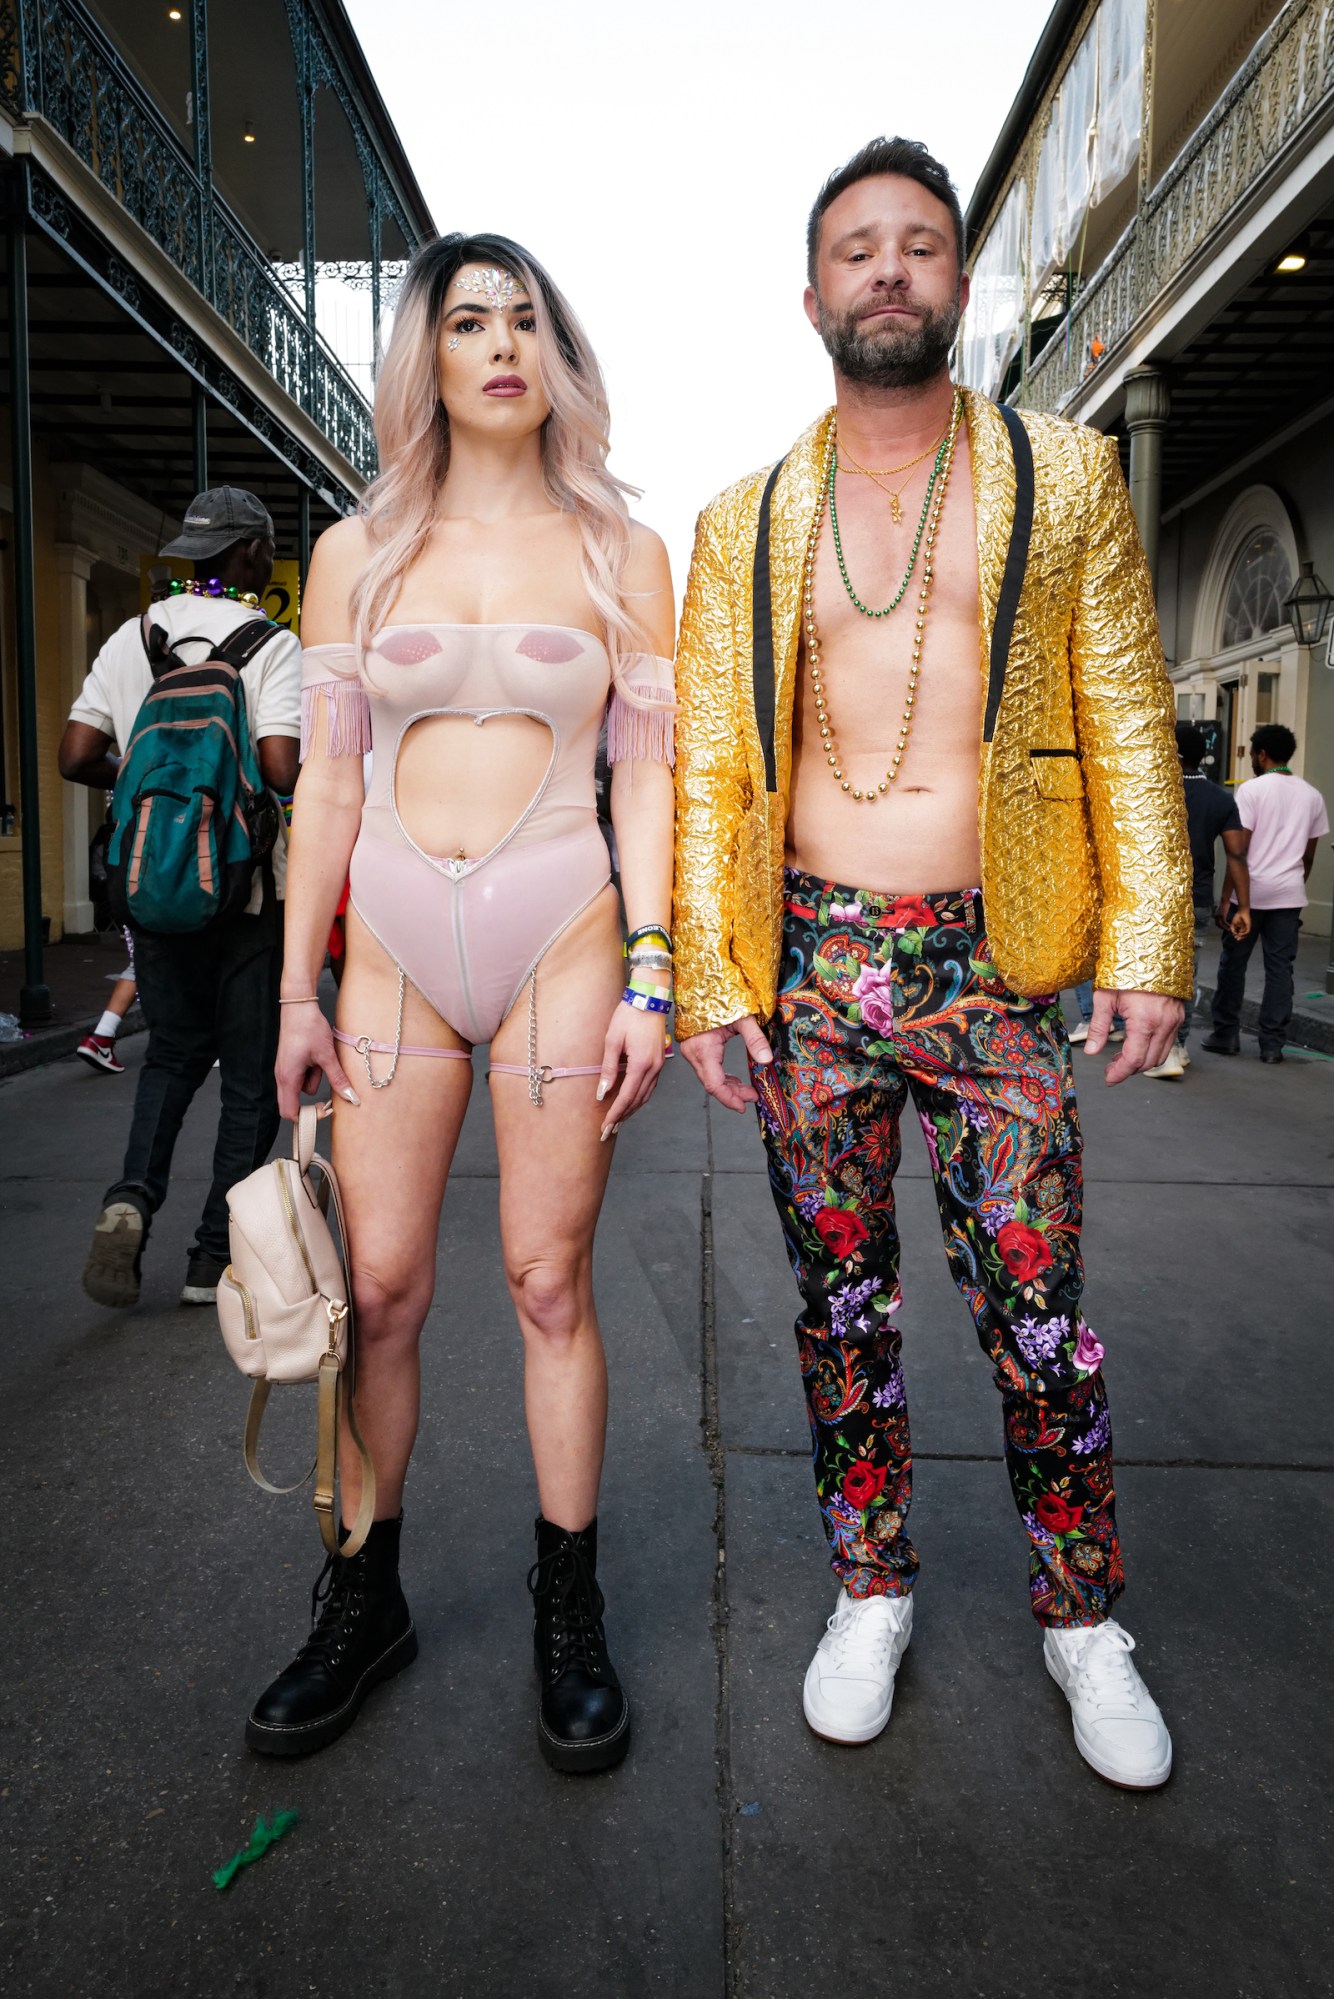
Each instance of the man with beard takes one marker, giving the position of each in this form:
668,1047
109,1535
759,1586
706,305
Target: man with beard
927,777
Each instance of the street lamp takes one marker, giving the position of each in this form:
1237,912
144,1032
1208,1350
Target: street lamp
1308,606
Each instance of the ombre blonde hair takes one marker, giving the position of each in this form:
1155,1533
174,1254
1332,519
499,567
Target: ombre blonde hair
412,431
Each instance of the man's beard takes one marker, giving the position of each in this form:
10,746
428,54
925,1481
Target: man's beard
889,357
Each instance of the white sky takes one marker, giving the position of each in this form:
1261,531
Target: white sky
661,163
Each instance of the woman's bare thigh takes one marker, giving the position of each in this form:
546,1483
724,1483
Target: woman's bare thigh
553,1164
394,1149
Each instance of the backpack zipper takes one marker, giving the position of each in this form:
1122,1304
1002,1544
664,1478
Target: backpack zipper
290,1212
246,1305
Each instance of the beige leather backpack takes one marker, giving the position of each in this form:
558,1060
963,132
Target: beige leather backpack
285,1308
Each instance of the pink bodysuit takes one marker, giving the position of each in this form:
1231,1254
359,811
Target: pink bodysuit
470,934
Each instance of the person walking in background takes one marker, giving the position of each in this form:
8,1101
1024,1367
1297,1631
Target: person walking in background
211,994
1211,815
1285,818
98,1049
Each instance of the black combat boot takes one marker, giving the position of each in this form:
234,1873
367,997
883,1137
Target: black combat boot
361,1633
583,1721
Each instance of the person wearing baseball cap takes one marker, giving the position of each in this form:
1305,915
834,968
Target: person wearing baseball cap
212,994
223,519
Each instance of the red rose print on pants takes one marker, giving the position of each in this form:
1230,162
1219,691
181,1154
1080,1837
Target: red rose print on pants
1023,1251
1057,1514
863,1484
840,1232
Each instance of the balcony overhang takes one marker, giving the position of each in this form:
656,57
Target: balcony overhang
1298,184
69,204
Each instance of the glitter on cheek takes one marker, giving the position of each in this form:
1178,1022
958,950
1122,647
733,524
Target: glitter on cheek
453,343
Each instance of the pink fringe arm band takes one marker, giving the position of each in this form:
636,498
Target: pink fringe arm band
348,712
643,730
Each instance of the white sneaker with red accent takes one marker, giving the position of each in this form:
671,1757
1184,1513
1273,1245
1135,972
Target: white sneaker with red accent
1119,1730
100,1053
849,1688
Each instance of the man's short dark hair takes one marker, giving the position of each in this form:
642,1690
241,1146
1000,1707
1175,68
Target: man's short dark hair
1191,745
906,157
1275,742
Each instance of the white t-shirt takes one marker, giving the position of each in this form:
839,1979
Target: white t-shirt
120,677
1282,813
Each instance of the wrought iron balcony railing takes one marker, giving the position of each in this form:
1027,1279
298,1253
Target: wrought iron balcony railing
1289,75
56,65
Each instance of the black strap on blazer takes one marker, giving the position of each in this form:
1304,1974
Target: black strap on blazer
764,675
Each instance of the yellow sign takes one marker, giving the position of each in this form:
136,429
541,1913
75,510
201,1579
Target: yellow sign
281,601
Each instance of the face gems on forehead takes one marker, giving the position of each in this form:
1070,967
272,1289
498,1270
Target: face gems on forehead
497,287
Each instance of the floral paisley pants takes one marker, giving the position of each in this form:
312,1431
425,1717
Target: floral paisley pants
882,997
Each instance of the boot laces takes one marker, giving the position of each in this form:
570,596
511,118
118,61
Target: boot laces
565,1591
1103,1669
337,1595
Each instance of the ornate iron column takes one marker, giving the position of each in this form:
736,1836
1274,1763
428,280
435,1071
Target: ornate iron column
298,21
203,131
199,412
34,995
1147,407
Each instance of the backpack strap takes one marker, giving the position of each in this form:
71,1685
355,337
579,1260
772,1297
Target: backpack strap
763,672
1016,562
236,650
240,647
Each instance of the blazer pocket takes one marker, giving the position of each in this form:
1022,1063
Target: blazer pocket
1056,774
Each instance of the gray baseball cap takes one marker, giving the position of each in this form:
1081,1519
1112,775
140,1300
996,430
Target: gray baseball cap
216,519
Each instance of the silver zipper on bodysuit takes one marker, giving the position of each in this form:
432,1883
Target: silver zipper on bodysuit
461,949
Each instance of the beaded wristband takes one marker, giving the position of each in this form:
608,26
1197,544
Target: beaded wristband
644,1003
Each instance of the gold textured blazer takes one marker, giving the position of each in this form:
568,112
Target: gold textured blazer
1085,863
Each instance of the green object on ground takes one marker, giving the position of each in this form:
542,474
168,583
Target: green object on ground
261,1839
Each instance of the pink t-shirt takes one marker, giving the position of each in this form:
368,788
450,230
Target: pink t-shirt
1281,813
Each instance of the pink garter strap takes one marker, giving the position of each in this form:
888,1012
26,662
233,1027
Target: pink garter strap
365,1046
545,1072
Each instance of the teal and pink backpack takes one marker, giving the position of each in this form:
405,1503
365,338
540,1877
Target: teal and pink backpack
190,817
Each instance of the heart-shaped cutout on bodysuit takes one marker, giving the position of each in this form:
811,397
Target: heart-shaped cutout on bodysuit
458,717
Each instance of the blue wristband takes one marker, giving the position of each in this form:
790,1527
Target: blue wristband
643,1004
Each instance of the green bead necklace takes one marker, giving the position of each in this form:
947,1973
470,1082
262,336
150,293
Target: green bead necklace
943,456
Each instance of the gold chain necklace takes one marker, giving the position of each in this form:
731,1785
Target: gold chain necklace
895,498
828,741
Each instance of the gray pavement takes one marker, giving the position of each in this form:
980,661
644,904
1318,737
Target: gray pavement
149,1590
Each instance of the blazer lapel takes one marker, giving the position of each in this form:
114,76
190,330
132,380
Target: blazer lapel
993,511
794,502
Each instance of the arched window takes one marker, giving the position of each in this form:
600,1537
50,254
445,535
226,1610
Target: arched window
1260,582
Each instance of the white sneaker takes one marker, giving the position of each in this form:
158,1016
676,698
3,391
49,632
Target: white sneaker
1117,1034
849,1688
1184,1054
1171,1064
1080,1032
1119,1730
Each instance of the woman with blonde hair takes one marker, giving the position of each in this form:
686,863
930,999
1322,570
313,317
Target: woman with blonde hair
477,623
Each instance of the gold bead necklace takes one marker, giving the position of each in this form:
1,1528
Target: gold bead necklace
828,741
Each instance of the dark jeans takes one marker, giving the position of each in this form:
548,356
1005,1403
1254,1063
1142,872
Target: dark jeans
210,997
1277,931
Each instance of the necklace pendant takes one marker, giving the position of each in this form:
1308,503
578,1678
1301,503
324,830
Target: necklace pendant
895,509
